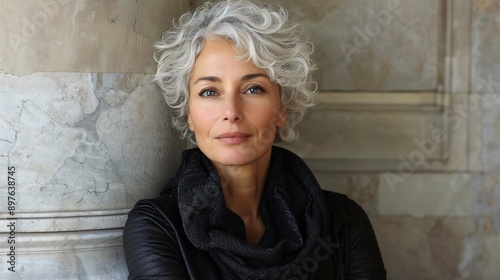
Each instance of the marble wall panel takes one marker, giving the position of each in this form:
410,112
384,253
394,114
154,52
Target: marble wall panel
487,260
87,36
86,141
485,45
434,226
428,195
484,132
475,144
426,248
325,133
486,207
372,45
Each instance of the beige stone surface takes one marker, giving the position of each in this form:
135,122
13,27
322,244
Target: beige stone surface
378,138
329,134
485,87
485,45
428,248
475,134
487,201
428,195
83,36
487,261
484,144
355,43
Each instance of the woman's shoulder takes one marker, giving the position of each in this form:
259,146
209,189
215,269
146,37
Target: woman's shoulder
155,244
161,213
343,209
361,250
162,208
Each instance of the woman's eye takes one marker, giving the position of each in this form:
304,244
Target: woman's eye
207,93
255,90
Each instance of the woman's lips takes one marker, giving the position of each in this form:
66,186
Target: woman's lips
233,137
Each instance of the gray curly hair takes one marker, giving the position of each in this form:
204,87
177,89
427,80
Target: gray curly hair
269,40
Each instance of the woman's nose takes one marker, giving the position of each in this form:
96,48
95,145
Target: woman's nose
232,108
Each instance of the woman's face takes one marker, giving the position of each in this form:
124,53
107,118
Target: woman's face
234,108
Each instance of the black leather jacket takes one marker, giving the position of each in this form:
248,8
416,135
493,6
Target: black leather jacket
156,246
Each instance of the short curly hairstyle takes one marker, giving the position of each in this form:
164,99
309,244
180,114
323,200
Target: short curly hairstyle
263,32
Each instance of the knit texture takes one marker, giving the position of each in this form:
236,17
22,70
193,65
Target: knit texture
292,206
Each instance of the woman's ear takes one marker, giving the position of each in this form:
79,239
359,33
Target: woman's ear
190,123
281,119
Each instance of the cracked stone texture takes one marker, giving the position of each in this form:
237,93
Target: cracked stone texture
85,141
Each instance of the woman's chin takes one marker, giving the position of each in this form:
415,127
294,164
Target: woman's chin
232,160
237,156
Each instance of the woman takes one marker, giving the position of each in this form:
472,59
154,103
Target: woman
237,77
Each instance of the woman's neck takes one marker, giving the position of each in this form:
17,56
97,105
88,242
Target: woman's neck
242,187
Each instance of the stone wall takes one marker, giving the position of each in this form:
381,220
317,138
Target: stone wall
84,132
88,133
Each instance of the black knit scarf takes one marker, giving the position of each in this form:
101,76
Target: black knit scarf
293,210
